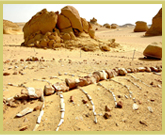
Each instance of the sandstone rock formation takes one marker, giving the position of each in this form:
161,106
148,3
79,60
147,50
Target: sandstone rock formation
42,22
106,25
72,14
154,50
156,27
11,28
93,21
114,26
141,26
85,25
67,29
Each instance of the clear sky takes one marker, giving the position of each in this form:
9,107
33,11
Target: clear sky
104,13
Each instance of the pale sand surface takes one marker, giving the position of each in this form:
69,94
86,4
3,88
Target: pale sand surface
125,119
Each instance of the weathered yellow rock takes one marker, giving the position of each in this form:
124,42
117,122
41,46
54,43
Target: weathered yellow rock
154,50
51,44
92,33
11,28
141,26
114,26
43,21
63,22
85,25
72,14
156,27
66,36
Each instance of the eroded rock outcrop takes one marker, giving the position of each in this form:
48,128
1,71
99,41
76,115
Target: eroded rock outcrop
72,14
141,26
114,26
11,28
156,27
67,29
106,25
93,20
42,22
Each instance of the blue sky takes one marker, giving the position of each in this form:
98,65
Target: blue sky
104,13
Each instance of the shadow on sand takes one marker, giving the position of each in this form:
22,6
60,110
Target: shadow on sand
149,59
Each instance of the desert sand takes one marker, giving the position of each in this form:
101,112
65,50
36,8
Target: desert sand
75,63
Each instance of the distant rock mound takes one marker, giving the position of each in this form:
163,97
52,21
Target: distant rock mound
11,28
114,26
156,27
67,30
154,50
141,26
127,25
93,20
106,25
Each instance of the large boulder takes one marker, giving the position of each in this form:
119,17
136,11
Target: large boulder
154,50
63,22
85,25
43,21
72,14
11,28
156,27
141,26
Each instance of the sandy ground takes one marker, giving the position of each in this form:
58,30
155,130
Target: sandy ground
79,116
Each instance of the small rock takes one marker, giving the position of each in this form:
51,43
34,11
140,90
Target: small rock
48,90
15,73
37,108
107,108
119,96
143,122
21,59
119,104
59,74
71,99
84,101
152,83
7,61
152,100
107,115
6,74
150,109
86,115
140,102
23,128
12,104
135,107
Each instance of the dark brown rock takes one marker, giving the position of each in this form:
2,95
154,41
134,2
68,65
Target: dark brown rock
119,104
71,99
6,74
107,108
107,115
84,101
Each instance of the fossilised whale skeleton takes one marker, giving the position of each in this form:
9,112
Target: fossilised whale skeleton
93,79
